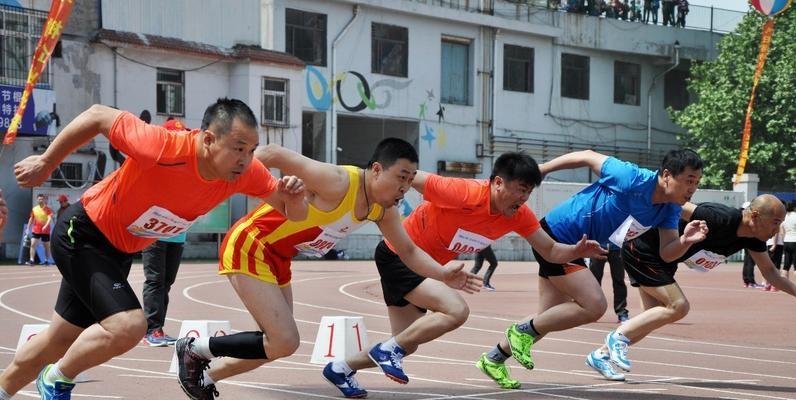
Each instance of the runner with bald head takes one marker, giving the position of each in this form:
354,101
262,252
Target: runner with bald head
728,230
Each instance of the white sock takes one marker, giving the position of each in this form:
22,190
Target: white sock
55,374
4,395
389,345
342,367
206,379
201,347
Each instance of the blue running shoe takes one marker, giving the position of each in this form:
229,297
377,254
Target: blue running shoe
602,363
390,362
348,385
59,390
617,347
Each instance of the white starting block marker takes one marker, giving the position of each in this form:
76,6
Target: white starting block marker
339,337
199,328
31,330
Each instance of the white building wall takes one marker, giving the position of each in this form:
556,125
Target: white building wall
218,22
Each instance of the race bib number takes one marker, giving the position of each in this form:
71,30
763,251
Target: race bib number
158,223
629,230
328,238
704,261
465,242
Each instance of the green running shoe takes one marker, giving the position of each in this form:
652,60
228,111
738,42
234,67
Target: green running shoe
520,346
497,371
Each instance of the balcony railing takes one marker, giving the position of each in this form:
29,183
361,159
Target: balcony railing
710,19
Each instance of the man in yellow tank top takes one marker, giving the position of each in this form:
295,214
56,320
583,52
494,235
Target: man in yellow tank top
258,249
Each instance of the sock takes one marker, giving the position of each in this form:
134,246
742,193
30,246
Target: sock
527,327
389,345
497,355
206,379
54,374
243,345
622,337
342,367
4,395
201,347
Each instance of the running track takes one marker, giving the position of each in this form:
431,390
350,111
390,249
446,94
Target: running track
735,344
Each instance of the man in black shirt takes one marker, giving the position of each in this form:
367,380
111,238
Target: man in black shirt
729,230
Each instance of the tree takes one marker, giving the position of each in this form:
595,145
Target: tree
714,123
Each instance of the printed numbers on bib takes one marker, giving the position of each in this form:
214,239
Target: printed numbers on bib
629,230
465,242
329,236
158,223
704,261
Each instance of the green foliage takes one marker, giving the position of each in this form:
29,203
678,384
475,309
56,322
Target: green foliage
714,123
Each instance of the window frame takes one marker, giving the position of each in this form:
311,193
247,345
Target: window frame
316,32
169,84
633,71
377,59
284,94
529,69
583,80
467,43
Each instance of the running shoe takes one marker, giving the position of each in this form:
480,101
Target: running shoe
617,346
497,371
389,362
347,384
156,338
520,346
601,363
190,371
58,390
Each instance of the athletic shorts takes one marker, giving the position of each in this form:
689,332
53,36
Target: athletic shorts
94,284
547,268
644,273
244,256
397,280
45,237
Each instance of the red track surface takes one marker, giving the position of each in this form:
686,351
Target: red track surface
735,344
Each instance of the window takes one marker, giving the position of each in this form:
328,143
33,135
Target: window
67,174
627,83
675,89
517,68
171,92
455,74
20,30
305,36
389,50
574,76
275,101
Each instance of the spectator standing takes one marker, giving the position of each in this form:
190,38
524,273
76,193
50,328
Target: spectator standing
789,225
39,225
488,255
597,267
668,12
63,200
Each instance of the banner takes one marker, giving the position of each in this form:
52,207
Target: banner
56,20
765,43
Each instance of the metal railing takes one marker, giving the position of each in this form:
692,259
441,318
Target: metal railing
710,19
20,30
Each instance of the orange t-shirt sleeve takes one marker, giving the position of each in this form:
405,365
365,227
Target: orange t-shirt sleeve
257,181
529,224
142,142
445,192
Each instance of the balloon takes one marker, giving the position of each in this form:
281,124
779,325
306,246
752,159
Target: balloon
770,8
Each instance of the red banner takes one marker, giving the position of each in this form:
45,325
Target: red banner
765,43
56,20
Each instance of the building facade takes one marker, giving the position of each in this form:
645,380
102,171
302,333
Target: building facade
463,80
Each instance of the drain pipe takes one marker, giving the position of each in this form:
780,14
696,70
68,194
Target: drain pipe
331,127
649,96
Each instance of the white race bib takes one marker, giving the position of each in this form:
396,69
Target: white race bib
629,230
158,223
704,261
329,236
465,242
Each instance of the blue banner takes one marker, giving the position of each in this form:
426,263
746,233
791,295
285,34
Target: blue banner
31,125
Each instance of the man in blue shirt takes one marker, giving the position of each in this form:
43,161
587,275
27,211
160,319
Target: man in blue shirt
624,203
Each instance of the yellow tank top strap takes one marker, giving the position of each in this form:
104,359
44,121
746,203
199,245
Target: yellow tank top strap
376,210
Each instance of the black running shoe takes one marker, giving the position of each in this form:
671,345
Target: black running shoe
190,368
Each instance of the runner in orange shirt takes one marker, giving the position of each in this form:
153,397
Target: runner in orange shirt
168,181
459,216
258,249
40,224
